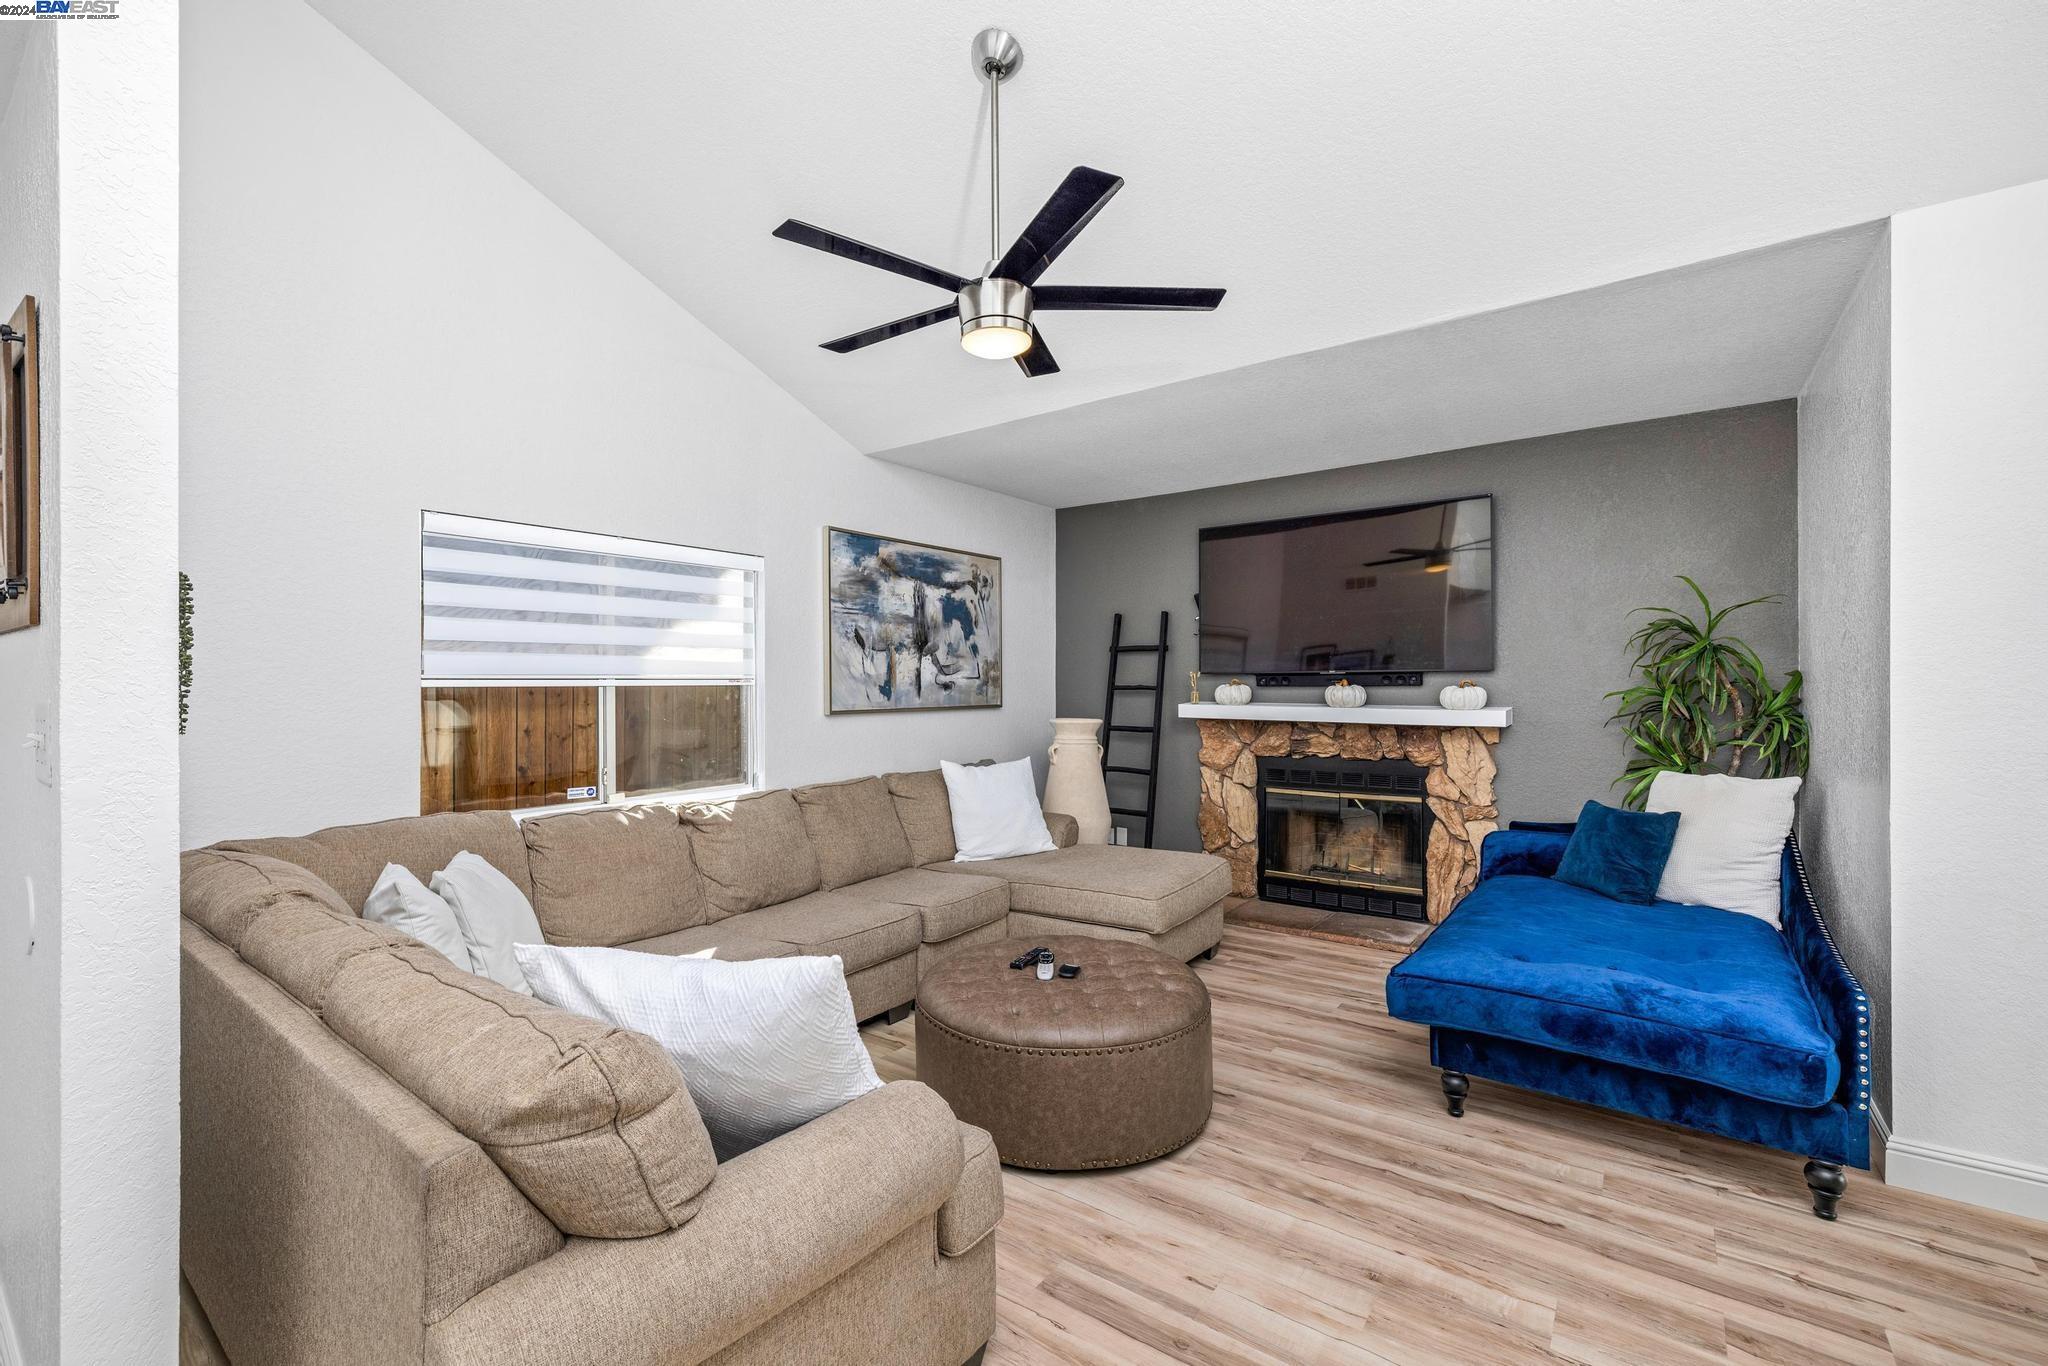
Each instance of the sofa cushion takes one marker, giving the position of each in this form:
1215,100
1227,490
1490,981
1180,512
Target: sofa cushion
1619,854
409,906
926,813
609,877
722,940
752,851
222,891
1686,991
853,831
1151,890
950,905
592,1123
862,932
766,1046
349,858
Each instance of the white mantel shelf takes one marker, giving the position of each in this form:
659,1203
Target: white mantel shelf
1309,713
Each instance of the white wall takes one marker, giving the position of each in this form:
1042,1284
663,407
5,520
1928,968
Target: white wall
29,952
117,749
1844,640
89,1019
1969,776
381,317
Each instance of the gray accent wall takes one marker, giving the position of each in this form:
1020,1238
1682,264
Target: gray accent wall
1589,524
1845,641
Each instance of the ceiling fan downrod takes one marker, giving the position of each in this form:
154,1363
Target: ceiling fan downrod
995,313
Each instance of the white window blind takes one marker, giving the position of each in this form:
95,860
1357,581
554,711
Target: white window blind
503,601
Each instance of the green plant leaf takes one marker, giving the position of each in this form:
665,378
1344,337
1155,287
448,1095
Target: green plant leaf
1702,698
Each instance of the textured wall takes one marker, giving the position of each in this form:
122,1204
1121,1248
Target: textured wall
28,809
1969,776
1590,524
1845,640
117,750
381,317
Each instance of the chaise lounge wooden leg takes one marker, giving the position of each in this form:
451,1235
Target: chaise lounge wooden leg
975,1360
1827,1183
1456,1087
1209,954
898,1014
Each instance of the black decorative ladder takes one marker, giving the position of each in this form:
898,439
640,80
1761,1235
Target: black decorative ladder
1111,728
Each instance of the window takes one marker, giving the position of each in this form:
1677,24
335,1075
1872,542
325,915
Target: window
561,667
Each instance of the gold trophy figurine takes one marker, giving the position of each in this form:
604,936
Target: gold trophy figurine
1194,685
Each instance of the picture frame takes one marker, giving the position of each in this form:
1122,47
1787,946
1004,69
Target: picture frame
21,459
909,625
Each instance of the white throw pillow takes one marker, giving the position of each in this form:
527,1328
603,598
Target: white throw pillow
1731,837
995,811
403,902
764,1046
494,915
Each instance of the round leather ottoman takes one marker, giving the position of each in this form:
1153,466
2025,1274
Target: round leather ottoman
1101,1070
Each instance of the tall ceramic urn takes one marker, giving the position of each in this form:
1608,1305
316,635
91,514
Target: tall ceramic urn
1073,785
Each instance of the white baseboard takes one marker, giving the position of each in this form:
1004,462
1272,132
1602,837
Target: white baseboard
1994,1182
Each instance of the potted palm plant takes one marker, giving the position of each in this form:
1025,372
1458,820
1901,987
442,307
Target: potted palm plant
1703,702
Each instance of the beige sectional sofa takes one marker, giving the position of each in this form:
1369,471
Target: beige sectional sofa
389,1159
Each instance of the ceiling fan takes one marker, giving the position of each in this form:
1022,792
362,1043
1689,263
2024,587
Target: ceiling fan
996,309
1437,558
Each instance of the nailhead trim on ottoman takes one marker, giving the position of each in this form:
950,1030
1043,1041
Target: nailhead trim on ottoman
1102,1070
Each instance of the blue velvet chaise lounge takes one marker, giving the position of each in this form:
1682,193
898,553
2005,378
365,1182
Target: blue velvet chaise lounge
1692,1016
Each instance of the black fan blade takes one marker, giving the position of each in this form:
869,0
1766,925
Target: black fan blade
1396,559
1110,298
804,235
1038,360
1079,198
895,329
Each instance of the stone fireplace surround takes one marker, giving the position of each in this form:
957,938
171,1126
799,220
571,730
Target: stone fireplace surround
1453,747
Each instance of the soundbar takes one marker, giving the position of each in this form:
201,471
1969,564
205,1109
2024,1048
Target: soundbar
1368,680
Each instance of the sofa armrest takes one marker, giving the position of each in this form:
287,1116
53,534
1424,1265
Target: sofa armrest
974,1208
1843,1004
1064,829
776,1224
1533,853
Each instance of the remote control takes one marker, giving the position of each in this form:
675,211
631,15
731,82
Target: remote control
1070,969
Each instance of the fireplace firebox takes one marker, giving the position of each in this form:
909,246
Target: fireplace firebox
1345,835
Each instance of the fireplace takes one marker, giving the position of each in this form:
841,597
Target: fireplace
1452,750
1345,835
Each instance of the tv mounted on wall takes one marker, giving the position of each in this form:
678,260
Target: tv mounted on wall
1382,590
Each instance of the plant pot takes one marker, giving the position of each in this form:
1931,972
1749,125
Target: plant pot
1073,784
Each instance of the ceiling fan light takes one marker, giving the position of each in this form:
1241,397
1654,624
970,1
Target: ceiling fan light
995,318
995,338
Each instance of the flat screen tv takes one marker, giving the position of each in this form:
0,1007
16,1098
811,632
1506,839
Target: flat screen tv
1383,590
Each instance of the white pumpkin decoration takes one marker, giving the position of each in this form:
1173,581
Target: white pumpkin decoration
1235,693
1464,695
1344,693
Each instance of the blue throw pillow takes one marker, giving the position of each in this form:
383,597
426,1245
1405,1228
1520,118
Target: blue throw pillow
1619,854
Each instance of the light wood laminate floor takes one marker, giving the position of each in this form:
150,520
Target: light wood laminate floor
1333,1212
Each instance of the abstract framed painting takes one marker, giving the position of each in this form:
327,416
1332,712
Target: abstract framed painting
910,626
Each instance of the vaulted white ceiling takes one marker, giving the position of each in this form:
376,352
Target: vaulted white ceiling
1348,171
